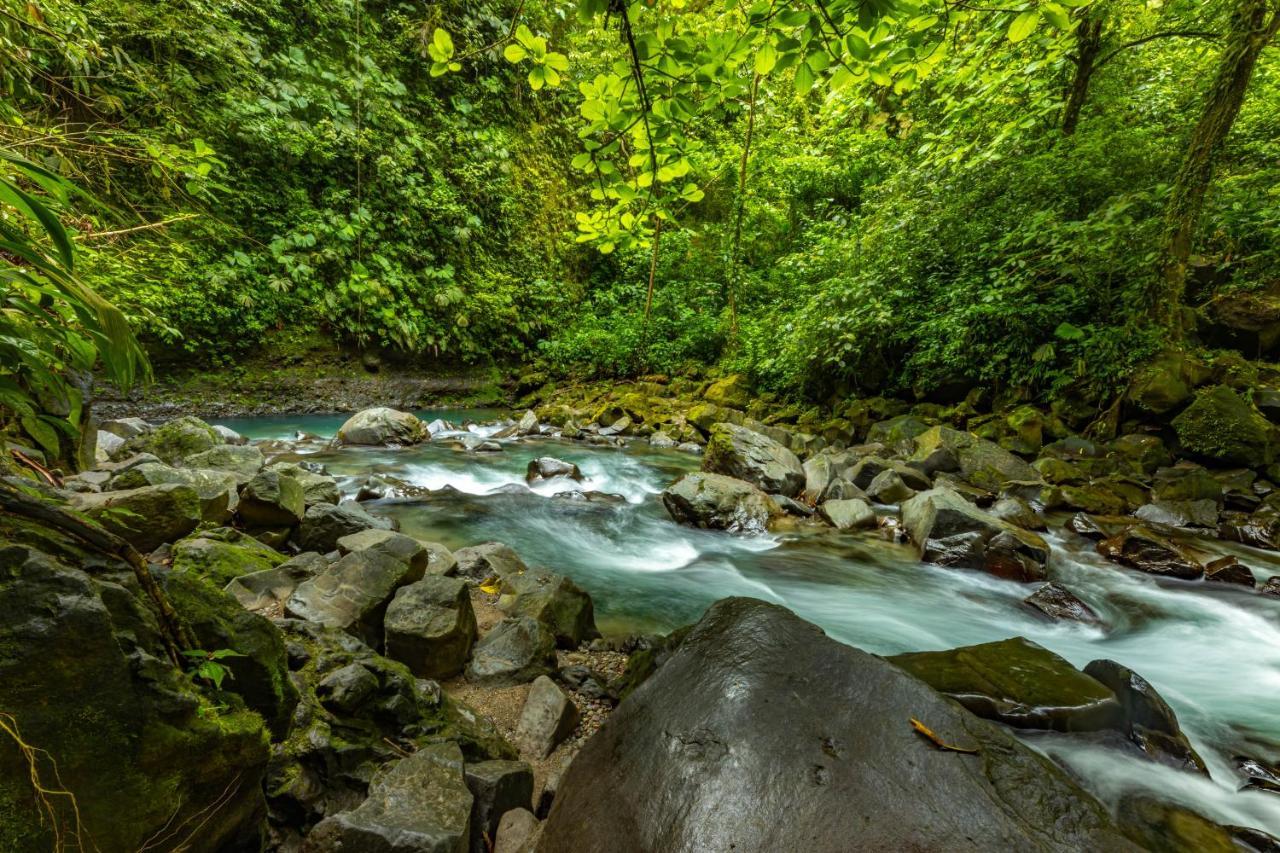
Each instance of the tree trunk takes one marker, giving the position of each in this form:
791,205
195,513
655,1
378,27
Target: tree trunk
1088,45
1249,32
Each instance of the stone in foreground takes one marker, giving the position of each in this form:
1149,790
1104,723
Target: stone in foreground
517,650
555,601
498,787
762,734
548,717
352,594
430,627
421,805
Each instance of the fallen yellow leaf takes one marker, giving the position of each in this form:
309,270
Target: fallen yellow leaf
928,734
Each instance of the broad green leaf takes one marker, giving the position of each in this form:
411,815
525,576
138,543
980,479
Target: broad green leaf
766,59
514,52
1024,25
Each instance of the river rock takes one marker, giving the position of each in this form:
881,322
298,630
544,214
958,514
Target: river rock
851,514
174,441
1141,548
86,679
977,461
548,717
222,555
146,517
217,489
1229,570
1201,513
950,531
267,590
271,499
704,756
518,832
718,502
528,424
382,426
244,462
1019,683
498,788
258,670
1019,513
429,557
547,467
229,436
733,391
515,651
888,487
108,445
126,428
736,451
324,524
430,627
1223,426
316,488
870,468
421,805
555,601
352,594
488,560
1059,603
1148,719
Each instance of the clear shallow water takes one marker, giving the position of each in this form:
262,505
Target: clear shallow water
1212,651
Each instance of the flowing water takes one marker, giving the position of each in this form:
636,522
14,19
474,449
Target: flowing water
1213,651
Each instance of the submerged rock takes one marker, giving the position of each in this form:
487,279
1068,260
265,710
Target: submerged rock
704,756
1019,683
738,452
1058,602
382,426
718,502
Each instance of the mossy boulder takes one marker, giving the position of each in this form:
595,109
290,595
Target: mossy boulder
733,392
977,461
1019,683
259,672
174,441
382,425
217,489
272,499
317,488
244,461
148,516
738,452
223,554
895,431
86,680
1167,382
717,502
1223,426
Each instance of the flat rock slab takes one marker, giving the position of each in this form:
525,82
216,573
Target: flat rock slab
762,734
1020,683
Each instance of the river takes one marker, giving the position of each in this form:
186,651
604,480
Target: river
1213,651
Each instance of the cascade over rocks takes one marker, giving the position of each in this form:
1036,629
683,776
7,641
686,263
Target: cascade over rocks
738,452
703,756
382,426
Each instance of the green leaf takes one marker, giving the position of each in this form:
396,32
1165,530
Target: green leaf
804,78
442,42
45,435
1068,332
766,59
537,77
514,52
1024,25
1057,15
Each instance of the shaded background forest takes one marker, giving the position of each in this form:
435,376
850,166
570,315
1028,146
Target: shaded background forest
270,167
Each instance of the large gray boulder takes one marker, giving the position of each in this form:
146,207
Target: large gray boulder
267,590
316,488
324,524
548,467
979,462
719,502
950,531
547,718
148,516
705,755
430,627
222,555
498,787
382,425
555,601
217,489
488,560
431,558
174,441
352,594
272,499
243,461
736,451
421,805
515,651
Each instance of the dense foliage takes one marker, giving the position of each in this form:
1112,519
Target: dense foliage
842,196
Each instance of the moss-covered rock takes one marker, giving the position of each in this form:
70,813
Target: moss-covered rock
85,678
1167,382
738,452
222,555
733,392
217,489
1223,426
978,461
174,441
148,516
244,461
272,499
